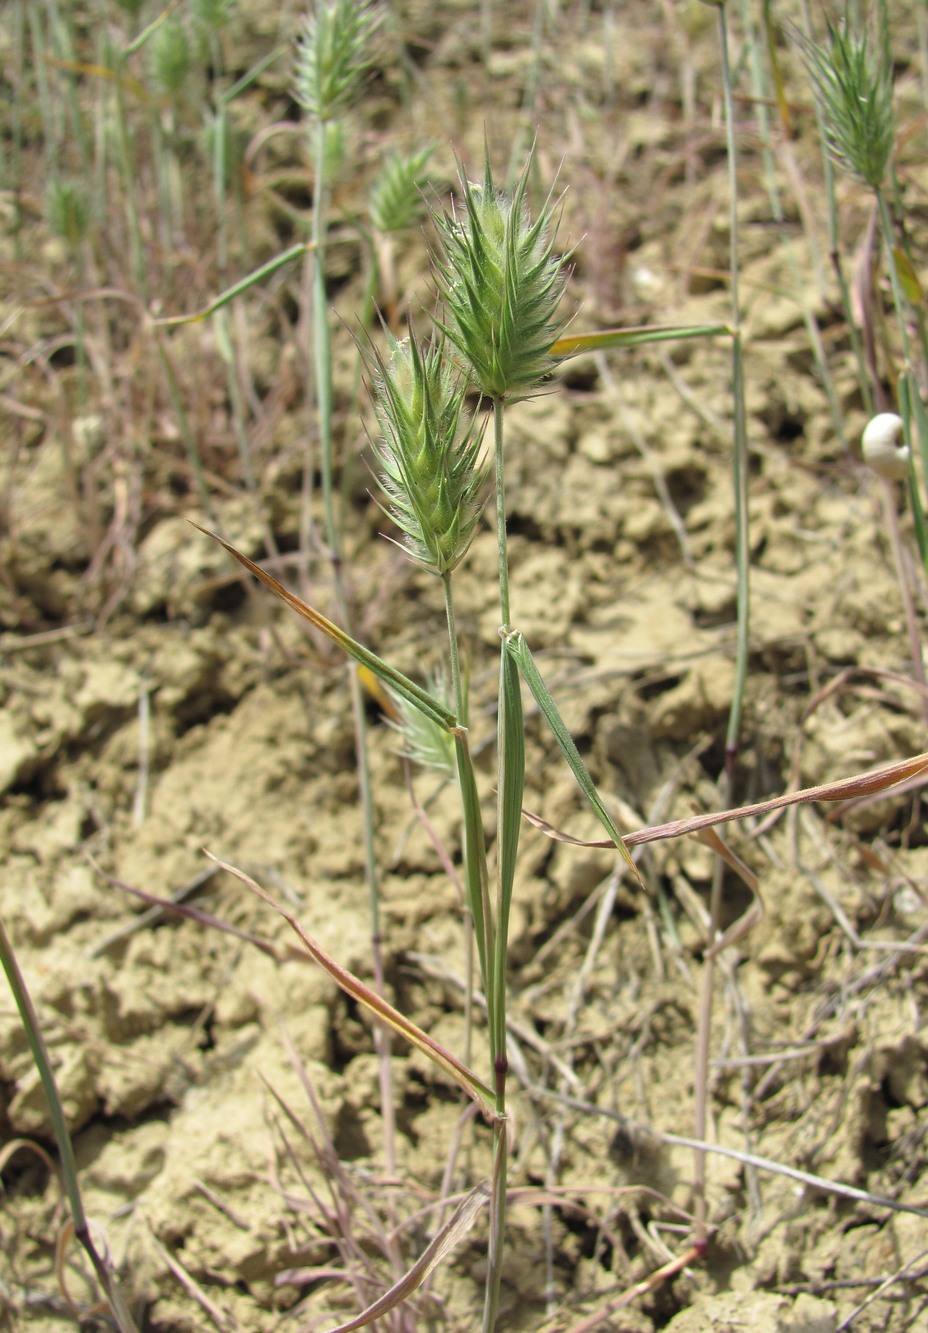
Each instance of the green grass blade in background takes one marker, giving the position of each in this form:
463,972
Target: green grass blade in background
39,1051
913,413
237,288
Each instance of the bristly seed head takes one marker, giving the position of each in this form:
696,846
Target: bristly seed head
67,210
396,201
332,56
171,56
429,453
424,741
501,284
852,81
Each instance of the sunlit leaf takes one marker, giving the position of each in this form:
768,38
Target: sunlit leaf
572,344
397,682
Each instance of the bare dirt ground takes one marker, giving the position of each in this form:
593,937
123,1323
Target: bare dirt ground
153,706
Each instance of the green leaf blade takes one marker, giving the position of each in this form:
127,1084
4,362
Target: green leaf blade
407,689
511,740
519,651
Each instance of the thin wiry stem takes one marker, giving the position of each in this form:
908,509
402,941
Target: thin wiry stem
739,449
742,555
118,1304
454,653
322,345
498,1184
322,361
501,544
899,301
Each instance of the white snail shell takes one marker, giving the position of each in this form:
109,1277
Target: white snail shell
881,448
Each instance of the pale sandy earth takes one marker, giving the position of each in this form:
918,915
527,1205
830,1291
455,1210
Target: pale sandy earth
185,1056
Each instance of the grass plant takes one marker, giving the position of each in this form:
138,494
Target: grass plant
501,285
107,1278
442,443
851,74
333,58
396,206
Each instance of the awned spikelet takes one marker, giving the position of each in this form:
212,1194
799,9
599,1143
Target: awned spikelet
333,57
852,81
501,284
429,453
425,742
396,201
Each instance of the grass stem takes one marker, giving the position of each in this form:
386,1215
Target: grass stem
501,545
322,346
107,1279
740,448
322,363
497,1224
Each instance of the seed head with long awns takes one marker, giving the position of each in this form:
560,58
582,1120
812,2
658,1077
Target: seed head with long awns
853,85
501,284
333,56
429,451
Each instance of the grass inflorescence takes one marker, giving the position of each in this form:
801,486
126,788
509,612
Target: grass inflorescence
853,85
333,56
502,284
429,450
